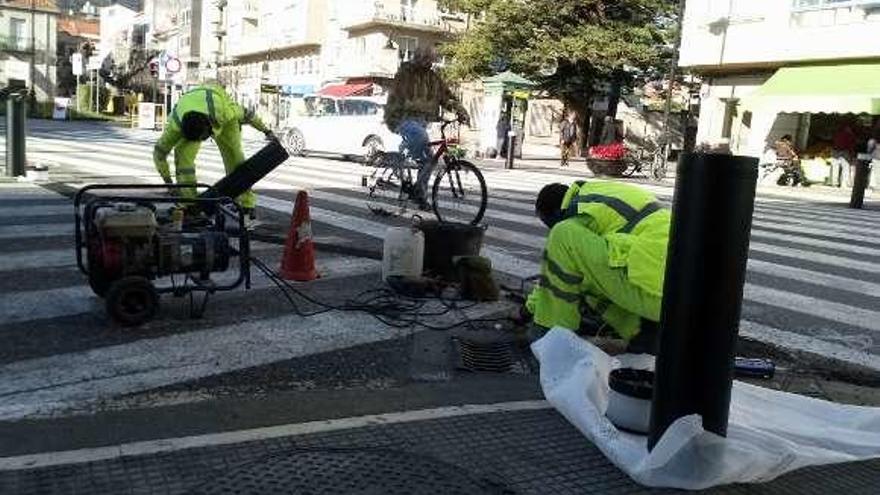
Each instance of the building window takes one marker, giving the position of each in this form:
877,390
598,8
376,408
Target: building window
407,47
186,17
831,4
16,32
729,114
408,9
185,41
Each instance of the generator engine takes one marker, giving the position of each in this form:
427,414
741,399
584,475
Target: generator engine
130,244
131,241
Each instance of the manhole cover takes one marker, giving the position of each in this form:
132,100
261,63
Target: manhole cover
350,472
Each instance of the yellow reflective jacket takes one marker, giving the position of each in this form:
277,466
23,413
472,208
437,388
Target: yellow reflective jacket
633,223
211,100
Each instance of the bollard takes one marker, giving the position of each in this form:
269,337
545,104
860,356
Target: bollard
511,150
16,111
703,291
860,183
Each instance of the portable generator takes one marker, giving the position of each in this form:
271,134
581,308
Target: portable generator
135,247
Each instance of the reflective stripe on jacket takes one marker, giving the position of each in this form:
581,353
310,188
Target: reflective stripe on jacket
633,223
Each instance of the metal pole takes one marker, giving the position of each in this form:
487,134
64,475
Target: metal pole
511,147
703,291
666,143
33,49
16,113
860,183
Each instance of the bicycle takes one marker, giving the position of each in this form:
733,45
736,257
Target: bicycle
459,190
654,155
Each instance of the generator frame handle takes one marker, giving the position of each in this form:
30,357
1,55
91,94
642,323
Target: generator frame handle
221,203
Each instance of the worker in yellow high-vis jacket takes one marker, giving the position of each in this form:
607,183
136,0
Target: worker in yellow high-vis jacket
204,112
606,250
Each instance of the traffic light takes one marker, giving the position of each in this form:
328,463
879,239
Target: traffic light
154,67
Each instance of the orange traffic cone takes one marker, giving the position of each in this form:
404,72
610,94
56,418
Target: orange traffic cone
299,251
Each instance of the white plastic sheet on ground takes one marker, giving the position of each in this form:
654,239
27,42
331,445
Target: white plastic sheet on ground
770,432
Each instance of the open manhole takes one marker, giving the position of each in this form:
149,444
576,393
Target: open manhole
349,471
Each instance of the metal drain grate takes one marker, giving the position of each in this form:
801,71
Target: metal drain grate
350,471
497,356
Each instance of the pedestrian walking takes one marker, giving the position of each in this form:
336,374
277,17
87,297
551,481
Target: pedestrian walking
568,138
843,152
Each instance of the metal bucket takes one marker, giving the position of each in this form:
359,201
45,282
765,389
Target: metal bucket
447,241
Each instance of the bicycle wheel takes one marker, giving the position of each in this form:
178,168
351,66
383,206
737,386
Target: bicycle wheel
633,164
460,193
386,185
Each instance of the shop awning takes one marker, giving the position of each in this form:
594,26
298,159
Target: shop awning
343,90
842,88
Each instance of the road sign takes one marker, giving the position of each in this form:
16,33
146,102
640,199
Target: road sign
76,61
173,65
94,63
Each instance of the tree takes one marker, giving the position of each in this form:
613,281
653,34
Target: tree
565,45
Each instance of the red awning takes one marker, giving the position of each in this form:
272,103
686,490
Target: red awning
343,90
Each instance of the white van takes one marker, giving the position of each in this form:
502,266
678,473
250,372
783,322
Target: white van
349,126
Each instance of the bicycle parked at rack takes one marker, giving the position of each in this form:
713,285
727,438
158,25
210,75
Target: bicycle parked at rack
459,192
652,156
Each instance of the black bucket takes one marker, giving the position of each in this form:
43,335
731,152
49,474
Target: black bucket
446,241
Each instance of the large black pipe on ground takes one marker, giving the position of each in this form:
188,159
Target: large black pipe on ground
250,172
703,291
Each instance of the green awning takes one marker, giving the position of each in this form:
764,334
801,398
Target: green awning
843,88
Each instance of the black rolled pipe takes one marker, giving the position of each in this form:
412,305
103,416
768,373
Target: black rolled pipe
249,173
703,290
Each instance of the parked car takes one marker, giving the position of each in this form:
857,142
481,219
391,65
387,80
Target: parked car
351,126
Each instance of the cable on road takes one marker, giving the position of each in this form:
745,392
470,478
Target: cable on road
389,307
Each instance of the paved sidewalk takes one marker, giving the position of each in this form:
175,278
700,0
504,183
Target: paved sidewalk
520,447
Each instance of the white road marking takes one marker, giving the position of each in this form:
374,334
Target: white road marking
8,232
841,313
37,259
164,445
53,384
24,306
799,342
813,277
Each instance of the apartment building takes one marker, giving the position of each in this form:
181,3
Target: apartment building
28,45
775,67
287,48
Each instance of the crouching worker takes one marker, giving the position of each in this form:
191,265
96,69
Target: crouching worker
202,113
605,256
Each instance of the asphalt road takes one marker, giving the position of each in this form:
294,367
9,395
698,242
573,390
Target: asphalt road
813,285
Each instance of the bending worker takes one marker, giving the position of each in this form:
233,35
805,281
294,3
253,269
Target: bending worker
606,250
206,111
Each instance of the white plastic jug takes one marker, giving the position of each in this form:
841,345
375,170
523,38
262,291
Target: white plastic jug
404,253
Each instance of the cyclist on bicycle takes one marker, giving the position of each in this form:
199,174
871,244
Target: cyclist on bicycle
416,98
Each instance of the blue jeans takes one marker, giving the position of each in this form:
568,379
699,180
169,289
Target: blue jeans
416,144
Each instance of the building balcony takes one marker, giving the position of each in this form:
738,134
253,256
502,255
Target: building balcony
15,44
250,10
436,22
381,65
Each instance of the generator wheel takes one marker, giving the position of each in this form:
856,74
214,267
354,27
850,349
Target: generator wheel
132,301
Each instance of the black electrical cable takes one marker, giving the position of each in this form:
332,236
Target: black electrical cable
387,306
